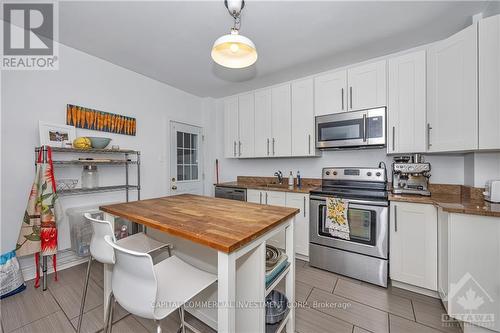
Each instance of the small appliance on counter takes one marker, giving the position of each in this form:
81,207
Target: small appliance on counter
410,175
492,191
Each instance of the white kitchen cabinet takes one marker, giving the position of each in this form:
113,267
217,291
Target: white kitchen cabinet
246,125
367,86
443,256
254,196
407,103
263,121
300,201
231,135
281,141
330,93
489,83
303,143
413,244
452,110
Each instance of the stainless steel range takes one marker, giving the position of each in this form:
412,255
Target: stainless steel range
365,256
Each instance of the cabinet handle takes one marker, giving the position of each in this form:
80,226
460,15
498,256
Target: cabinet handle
429,144
342,94
234,149
266,198
395,218
273,146
364,128
350,95
309,143
267,146
304,206
239,148
393,138
260,198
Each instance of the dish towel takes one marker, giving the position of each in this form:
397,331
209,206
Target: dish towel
38,234
336,218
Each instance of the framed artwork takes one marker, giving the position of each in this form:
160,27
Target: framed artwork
91,119
56,135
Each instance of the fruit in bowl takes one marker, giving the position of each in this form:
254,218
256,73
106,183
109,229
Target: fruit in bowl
99,142
82,143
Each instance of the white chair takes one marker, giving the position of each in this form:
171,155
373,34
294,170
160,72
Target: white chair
103,253
153,291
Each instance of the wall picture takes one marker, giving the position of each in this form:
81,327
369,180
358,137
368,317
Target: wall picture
96,120
56,135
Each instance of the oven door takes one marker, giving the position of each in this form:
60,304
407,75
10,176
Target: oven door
368,223
351,129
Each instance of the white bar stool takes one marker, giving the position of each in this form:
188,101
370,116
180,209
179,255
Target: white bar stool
103,253
153,290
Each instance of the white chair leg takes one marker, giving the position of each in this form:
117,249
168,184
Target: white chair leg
158,326
182,328
84,295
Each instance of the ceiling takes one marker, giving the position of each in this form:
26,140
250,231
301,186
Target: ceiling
170,41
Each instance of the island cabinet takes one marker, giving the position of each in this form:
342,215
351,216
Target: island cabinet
292,200
407,103
413,245
452,92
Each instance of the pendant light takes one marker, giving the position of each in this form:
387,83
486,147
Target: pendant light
234,50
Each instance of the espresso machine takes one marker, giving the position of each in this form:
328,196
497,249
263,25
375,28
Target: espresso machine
410,175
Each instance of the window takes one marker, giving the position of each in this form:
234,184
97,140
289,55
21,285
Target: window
187,156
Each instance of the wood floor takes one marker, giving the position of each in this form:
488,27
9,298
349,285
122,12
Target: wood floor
326,303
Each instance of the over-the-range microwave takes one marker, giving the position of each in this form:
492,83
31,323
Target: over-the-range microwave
355,129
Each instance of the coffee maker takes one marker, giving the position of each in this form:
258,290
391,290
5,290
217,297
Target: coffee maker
410,175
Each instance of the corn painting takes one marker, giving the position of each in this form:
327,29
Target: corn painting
86,118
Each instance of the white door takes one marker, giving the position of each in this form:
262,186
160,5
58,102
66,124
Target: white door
413,244
367,86
246,124
300,201
186,152
281,121
263,121
303,118
407,103
231,136
452,93
330,93
489,83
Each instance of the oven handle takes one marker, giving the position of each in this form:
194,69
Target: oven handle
355,201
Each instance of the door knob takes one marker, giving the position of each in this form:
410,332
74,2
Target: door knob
174,185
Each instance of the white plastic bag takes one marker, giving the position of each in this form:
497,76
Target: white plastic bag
11,278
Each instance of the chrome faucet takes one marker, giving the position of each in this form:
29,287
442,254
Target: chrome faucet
279,174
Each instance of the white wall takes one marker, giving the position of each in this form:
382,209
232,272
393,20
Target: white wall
30,96
480,167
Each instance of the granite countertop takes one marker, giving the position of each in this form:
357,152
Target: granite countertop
221,224
259,183
453,199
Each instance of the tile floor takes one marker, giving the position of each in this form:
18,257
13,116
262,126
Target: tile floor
329,303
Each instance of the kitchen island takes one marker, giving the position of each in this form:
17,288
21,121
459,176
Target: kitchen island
225,237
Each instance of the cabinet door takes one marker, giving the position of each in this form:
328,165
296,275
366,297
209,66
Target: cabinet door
300,201
443,258
413,244
281,142
330,93
452,93
302,118
246,121
254,196
489,83
263,121
406,107
231,127
276,199
367,86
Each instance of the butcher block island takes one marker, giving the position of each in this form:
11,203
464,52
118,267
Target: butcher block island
224,237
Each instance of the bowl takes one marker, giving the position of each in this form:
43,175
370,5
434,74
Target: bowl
276,307
98,142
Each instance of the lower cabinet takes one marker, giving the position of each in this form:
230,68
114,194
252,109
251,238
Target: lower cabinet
287,199
413,244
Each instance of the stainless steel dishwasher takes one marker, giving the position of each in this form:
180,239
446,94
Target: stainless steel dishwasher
239,194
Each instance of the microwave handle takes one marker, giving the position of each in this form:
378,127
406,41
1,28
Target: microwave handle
364,127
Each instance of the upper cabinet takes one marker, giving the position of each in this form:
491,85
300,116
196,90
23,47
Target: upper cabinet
367,86
303,118
452,105
231,135
263,121
330,93
281,124
407,103
246,124
489,83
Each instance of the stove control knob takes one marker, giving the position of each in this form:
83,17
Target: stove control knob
378,174
335,173
369,174
327,173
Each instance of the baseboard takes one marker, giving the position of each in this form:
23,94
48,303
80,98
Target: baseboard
301,257
65,259
415,289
